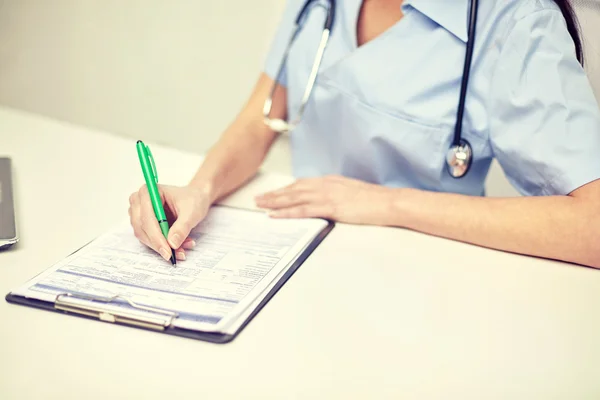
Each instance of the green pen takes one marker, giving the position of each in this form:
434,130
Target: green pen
151,177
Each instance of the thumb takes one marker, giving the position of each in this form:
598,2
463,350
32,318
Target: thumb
187,219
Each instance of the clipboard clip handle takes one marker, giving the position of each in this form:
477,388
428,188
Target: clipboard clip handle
161,319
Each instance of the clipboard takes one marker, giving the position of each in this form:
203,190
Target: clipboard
157,320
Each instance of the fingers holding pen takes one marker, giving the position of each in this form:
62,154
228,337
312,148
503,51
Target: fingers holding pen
149,225
188,244
145,225
184,207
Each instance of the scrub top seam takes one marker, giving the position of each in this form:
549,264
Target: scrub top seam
396,114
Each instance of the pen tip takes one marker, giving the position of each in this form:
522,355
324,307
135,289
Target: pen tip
139,141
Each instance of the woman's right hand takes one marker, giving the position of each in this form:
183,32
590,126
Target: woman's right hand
185,207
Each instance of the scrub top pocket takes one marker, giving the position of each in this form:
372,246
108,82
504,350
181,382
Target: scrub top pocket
342,135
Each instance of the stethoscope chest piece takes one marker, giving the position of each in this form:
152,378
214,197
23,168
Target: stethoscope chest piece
458,159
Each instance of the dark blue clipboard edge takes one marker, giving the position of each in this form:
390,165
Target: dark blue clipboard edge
212,337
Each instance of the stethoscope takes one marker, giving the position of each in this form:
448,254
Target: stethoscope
460,154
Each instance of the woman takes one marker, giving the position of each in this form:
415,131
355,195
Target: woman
371,145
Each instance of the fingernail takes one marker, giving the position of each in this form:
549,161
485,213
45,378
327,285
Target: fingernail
192,243
175,241
165,253
180,256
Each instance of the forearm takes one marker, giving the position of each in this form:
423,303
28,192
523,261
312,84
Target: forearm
558,227
242,148
232,161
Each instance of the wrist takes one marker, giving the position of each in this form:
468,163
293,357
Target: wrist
204,187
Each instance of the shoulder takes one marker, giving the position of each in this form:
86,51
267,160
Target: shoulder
527,34
515,10
518,9
505,17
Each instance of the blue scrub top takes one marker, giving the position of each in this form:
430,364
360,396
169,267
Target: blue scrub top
385,112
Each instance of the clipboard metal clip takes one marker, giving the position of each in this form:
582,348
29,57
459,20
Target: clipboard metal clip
161,319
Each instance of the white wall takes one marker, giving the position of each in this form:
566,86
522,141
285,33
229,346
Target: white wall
168,71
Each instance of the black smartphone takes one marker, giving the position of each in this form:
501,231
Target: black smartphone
8,224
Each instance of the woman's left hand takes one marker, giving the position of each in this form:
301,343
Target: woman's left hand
334,197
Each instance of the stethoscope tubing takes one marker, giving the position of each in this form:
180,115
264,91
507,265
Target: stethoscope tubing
460,154
466,72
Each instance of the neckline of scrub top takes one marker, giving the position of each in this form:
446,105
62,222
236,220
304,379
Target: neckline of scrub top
450,15
437,12
351,15
453,15
350,50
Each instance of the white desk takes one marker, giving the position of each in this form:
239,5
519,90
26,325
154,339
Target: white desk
416,326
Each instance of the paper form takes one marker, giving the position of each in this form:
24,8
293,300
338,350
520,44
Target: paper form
239,254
